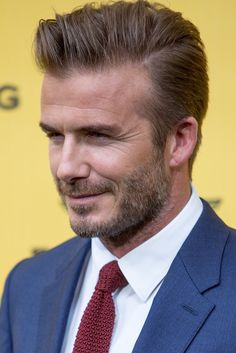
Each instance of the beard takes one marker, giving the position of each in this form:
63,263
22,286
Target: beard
143,194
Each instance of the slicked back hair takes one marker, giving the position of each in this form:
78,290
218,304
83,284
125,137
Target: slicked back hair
99,37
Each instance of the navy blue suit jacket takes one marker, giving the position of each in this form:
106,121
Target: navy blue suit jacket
194,310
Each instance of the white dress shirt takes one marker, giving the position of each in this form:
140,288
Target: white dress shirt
145,268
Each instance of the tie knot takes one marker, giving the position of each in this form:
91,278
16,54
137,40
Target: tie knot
111,278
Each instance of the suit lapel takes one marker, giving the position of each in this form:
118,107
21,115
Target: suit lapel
180,308
178,311
56,302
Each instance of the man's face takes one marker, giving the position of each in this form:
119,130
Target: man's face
107,170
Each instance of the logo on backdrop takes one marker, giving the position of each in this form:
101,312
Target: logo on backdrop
215,203
9,97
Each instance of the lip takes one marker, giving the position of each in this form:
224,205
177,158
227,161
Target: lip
83,199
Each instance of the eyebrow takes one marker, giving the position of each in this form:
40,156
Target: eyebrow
46,127
115,129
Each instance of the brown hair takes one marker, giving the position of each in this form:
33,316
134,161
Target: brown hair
168,46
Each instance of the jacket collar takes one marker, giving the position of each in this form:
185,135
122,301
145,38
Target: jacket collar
203,250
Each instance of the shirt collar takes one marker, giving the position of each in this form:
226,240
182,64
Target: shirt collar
146,266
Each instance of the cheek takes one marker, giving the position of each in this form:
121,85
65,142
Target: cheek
115,163
108,165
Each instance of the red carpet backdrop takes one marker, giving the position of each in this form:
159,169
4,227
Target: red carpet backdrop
32,217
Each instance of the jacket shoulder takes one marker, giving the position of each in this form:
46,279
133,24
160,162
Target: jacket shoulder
46,264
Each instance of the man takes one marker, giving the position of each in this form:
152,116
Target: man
124,94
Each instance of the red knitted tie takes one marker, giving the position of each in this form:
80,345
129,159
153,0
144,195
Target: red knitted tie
95,330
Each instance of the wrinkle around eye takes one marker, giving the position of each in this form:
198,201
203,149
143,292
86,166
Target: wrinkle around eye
132,136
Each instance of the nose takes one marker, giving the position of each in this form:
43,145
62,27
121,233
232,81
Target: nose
73,163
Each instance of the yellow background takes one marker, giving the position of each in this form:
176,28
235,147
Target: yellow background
31,214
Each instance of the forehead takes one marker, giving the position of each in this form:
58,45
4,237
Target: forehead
122,85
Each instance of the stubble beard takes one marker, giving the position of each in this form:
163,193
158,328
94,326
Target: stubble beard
143,196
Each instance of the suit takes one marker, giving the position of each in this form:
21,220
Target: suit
193,312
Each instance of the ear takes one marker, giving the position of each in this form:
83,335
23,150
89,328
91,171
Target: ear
182,142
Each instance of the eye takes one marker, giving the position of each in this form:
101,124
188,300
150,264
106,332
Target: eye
97,136
54,137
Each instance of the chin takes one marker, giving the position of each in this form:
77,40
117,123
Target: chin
87,221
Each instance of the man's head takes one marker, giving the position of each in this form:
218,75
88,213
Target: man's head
125,89
167,46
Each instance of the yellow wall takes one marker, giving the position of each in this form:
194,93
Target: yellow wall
31,214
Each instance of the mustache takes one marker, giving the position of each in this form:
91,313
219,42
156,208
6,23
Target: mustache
84,187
